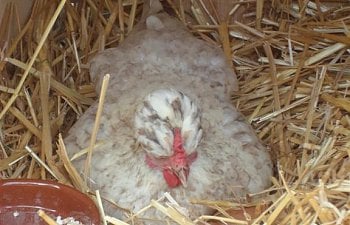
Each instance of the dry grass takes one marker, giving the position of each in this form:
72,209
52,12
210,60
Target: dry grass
292,59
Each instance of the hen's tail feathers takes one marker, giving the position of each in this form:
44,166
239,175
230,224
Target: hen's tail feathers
151,7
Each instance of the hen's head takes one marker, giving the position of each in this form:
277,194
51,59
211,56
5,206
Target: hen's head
168,128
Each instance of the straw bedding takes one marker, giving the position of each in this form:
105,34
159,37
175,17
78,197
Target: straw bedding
292,60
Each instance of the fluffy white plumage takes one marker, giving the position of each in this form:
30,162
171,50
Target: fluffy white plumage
162,78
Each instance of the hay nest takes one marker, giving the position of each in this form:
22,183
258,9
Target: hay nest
292,60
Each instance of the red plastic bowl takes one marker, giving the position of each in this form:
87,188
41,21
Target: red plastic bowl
20,199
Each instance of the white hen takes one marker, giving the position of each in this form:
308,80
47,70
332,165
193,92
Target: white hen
168,124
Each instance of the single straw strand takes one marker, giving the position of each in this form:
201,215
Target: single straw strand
96,126
37,158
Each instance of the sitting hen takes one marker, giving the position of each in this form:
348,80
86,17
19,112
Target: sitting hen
168,124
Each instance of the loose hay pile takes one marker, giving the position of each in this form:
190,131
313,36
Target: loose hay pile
292,59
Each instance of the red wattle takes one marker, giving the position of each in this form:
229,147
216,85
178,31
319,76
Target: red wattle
171,179
179,159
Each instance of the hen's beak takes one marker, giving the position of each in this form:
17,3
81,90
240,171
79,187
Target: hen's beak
182,175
